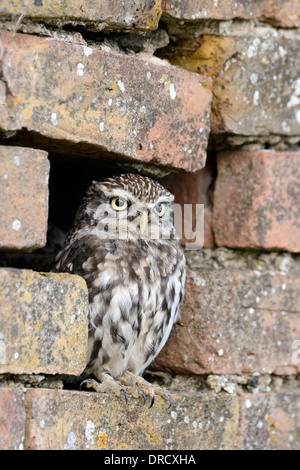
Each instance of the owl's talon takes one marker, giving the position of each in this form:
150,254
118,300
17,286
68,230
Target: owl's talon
125,395
80,385
87,383
107,384
93,384
152,401
146,389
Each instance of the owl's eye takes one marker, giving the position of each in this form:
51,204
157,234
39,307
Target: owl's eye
160,209
119,204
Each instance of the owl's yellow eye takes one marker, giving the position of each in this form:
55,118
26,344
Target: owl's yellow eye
118,203
160,209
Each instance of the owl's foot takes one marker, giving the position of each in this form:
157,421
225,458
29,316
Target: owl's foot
127,384
135,382
108,385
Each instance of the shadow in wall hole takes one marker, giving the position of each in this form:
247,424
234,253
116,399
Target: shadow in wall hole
69,179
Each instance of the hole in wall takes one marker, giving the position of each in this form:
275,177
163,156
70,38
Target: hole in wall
70,176
67,185
69,179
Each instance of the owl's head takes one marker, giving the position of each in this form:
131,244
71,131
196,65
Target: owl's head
129,206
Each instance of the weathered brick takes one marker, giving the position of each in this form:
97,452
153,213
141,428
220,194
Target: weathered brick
256,200
43,322
259,91
128,107
205,54
269,421
194,223
24,174
256,79
59,419
97,16
12,419
235,322
279,12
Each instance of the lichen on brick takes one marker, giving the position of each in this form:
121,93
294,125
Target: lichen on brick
137,15
96,421
43,322
149,111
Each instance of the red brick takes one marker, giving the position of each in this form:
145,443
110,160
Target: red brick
193,189
65,419
24,174
235,322
269,421
12,419
133,109
257,93
97,16
279,12
256,200
255,90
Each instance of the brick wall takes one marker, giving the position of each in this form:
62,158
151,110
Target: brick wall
205,97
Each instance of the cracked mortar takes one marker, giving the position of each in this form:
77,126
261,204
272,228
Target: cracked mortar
220,258
232,384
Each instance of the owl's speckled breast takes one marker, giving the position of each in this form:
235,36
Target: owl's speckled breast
134,304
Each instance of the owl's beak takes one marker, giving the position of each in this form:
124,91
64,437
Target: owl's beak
143,222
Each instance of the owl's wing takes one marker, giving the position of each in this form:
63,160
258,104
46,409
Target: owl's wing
75,254
68,259
82,256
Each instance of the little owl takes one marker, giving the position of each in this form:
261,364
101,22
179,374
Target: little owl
123,244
